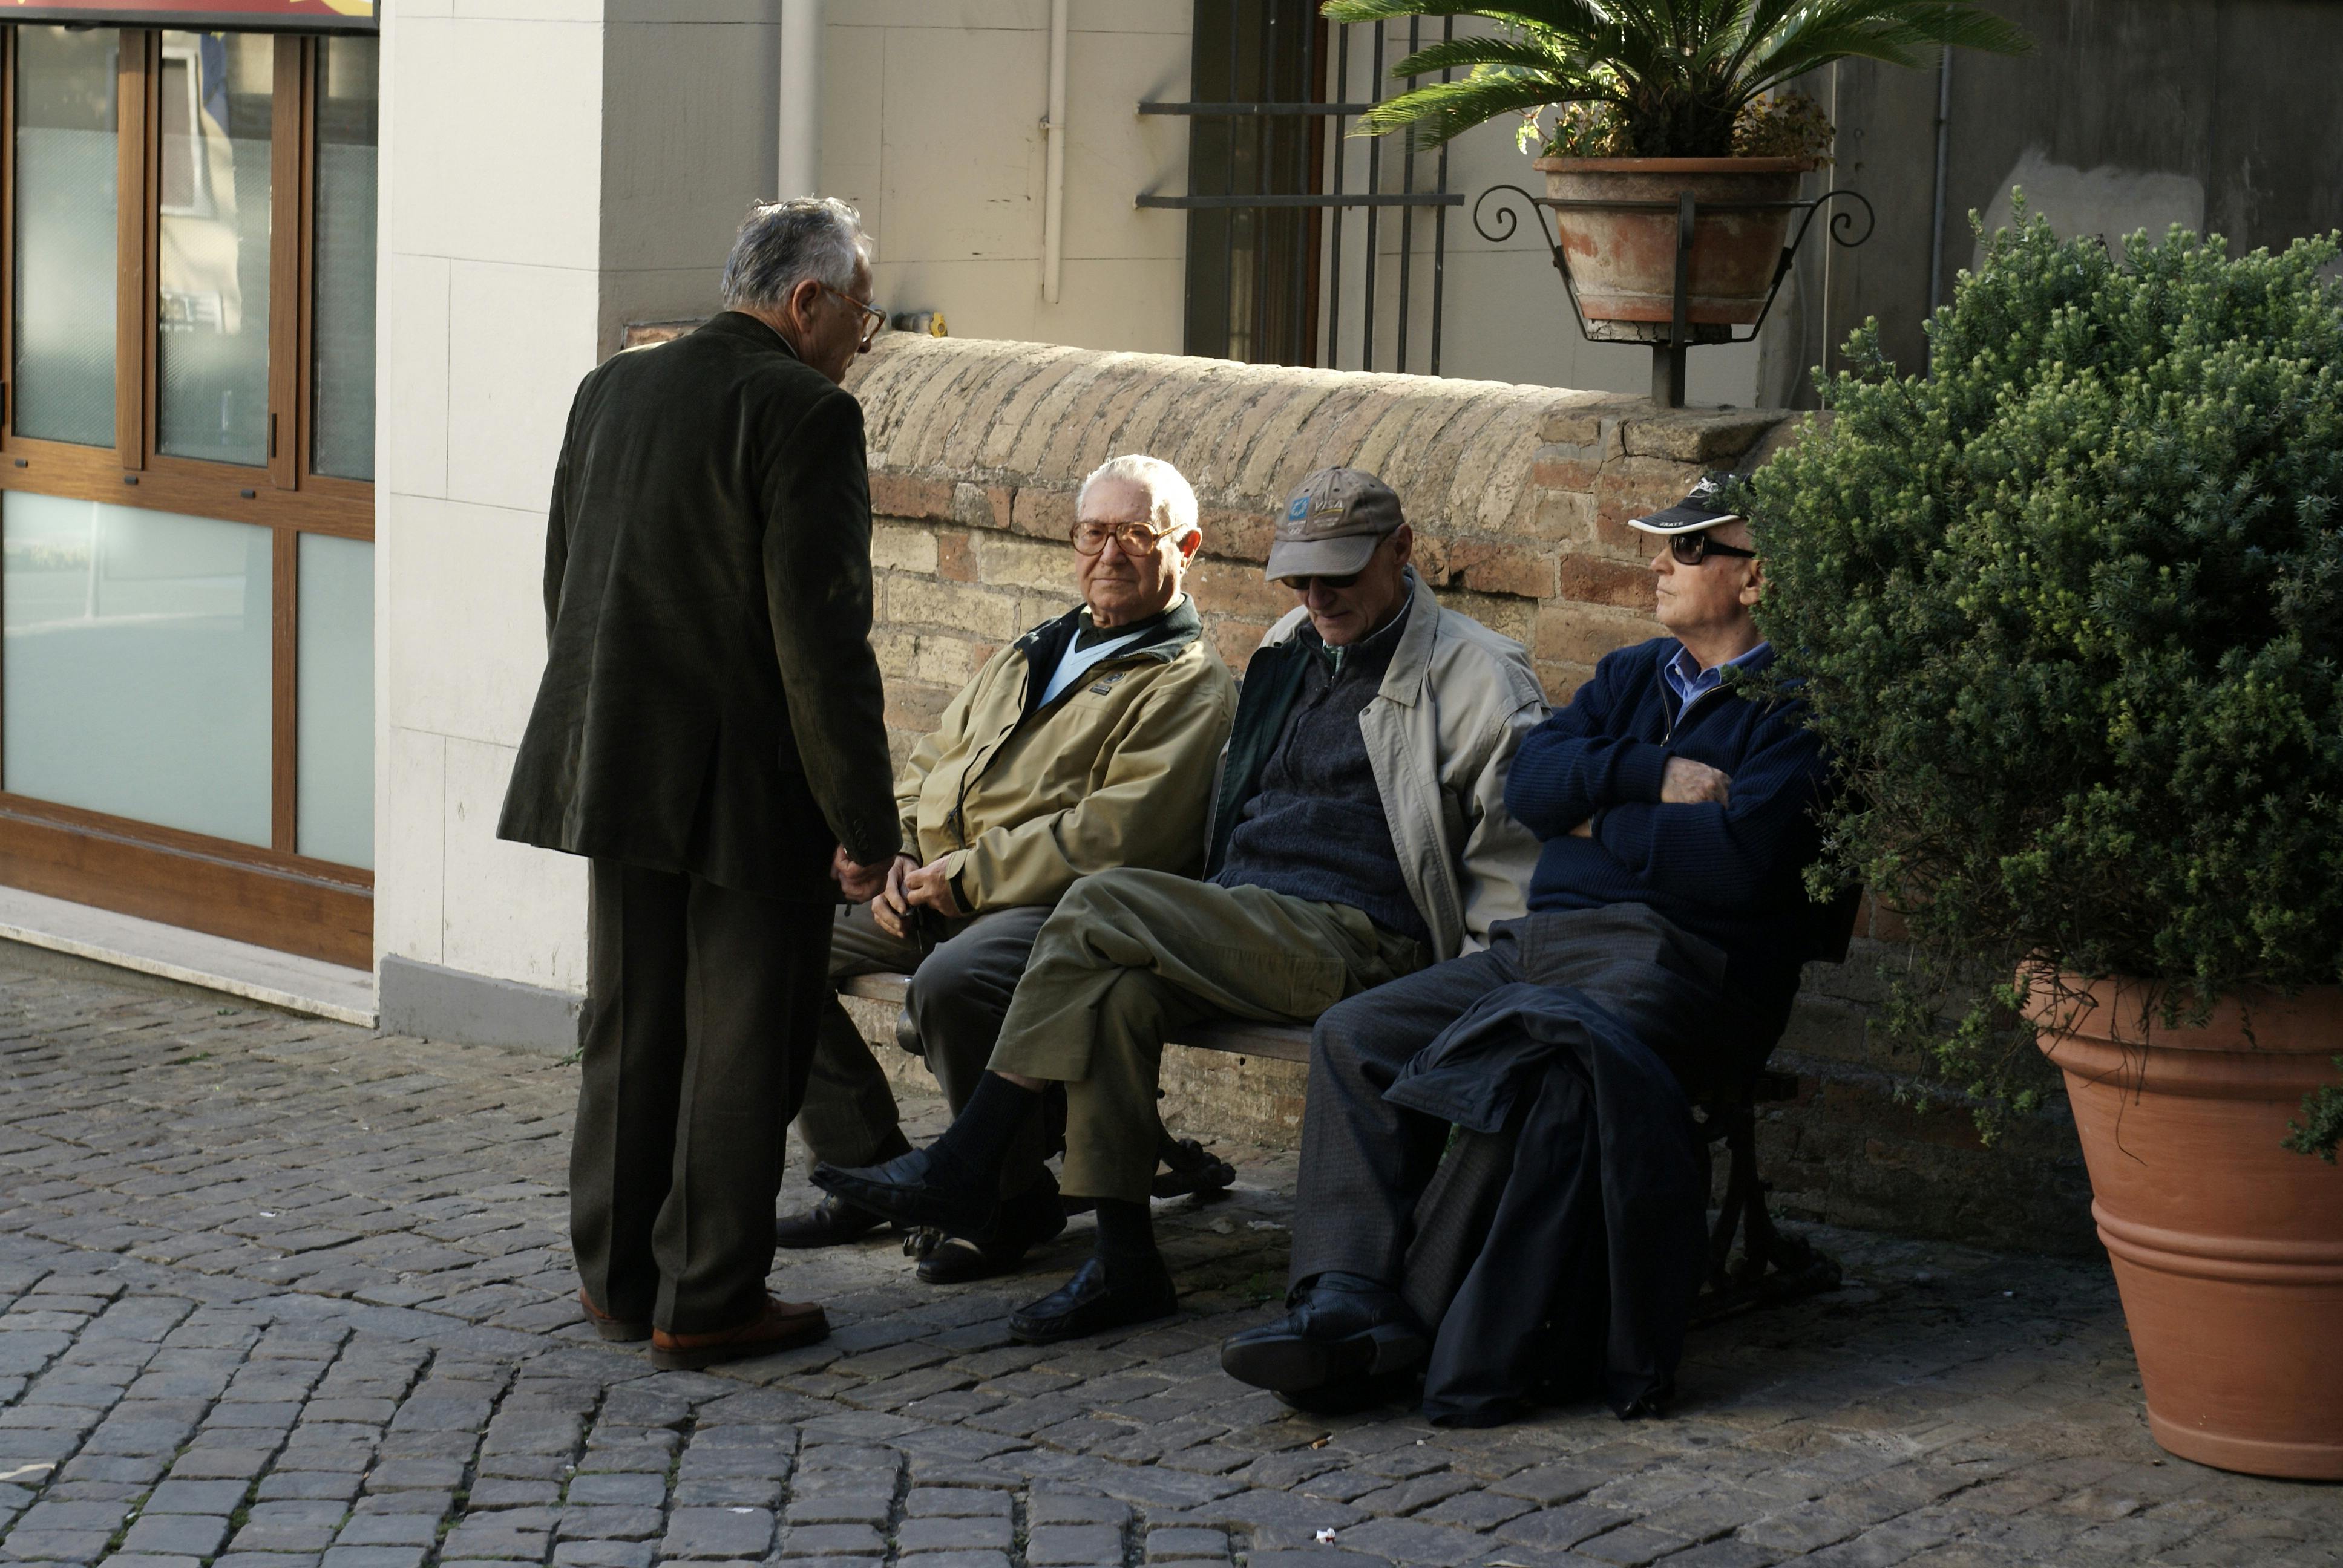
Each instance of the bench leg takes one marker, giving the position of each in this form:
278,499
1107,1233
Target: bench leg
1772,1267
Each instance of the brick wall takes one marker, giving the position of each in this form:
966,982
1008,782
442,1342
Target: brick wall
1519,497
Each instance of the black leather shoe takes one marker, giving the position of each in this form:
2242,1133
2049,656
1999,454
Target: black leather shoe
832,1222
905,1190
1345,1328
1351,1396
1094,1301
1024,1222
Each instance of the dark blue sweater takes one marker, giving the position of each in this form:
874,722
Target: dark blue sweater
1732,873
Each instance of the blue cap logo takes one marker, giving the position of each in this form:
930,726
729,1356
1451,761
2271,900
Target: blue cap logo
1297,509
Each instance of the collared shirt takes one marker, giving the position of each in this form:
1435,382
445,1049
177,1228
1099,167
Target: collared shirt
1690,682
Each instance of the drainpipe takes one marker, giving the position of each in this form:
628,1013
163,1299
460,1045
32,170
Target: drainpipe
1944,144
1053,131
800,99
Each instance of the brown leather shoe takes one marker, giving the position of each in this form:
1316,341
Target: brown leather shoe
782,1326
625,1331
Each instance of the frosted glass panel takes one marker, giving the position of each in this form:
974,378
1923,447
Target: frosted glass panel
212,316
134,679
342,438
336,700
65,170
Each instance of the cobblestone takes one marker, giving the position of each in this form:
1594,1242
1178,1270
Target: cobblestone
275,1294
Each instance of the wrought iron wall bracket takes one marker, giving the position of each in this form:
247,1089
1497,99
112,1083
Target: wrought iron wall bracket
1669,340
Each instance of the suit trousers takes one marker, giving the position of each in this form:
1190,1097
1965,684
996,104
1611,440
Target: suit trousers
1128,956
1375,1196
702,1003
959,992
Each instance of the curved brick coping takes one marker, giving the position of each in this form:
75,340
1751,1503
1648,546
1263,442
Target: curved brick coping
1007,418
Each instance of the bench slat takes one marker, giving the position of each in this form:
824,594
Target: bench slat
1233,1037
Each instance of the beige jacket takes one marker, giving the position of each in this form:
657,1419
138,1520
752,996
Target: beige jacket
1441,735
1117,771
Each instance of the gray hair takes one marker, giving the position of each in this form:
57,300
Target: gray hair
1171,499
783,243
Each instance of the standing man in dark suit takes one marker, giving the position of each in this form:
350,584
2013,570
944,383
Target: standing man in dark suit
709,732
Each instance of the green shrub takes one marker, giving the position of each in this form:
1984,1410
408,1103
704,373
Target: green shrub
2069,607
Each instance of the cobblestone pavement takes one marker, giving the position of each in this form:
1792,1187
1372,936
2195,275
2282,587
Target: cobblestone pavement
281,1294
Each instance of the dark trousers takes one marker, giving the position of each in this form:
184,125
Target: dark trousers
702,1003
959,993
1375,1197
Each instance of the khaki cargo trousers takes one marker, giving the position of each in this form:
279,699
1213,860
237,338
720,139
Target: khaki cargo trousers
1130,957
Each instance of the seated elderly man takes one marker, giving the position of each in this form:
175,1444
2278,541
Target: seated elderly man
1359,831
1090,742
1666,924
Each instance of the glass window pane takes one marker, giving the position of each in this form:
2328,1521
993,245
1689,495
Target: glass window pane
212,320
341,440
335,751
65,153
136,675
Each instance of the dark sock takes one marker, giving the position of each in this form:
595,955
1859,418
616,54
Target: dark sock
1126,1232
974,1146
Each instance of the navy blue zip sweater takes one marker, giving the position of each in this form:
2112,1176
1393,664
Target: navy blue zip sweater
1731,873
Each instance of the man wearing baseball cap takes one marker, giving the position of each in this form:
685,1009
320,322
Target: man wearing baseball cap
1359,833
1667,921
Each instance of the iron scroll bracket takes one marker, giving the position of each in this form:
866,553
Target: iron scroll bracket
1670,341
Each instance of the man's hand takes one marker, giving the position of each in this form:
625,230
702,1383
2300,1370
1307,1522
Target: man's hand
1584,829
931,886
890,905
858,881
1690,783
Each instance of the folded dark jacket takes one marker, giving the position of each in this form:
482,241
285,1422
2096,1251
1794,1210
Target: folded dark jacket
1585,1280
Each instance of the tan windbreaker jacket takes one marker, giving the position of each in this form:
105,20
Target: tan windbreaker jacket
1118,771
1441,734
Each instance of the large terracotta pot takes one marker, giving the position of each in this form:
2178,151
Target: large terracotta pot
2227,1249
1623,262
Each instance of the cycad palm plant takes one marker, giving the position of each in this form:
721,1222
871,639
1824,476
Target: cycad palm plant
1672,76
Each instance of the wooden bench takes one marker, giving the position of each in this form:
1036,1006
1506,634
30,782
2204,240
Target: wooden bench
1751,1262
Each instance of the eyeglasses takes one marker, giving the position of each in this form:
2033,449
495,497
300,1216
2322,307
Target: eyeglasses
873,318
1136,539
1691,550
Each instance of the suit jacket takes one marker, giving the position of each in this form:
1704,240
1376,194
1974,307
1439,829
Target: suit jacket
711,702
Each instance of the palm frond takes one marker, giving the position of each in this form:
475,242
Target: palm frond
1894,31
1516,54
1433,114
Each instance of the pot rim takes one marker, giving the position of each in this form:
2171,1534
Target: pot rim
1674,165
2256,1022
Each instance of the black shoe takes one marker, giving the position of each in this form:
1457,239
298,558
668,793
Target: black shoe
1344,1328
832,1222
1024,1222
905,1190
1350,1396
1092,1301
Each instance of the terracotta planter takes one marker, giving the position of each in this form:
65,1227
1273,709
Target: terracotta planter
2226,1248
1624,262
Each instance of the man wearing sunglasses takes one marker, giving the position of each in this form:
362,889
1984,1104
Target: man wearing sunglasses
1667,921
1359,833
1088,743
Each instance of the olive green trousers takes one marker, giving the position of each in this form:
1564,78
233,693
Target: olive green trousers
1130,957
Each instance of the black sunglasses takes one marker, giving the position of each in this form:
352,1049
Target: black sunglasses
1692,548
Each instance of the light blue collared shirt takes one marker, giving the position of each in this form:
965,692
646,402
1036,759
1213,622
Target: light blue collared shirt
1690,682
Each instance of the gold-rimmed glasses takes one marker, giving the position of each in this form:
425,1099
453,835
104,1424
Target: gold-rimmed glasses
1136,539
873,318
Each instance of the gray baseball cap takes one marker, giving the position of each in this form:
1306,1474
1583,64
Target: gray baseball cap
1331,525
